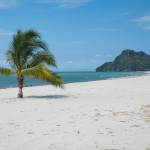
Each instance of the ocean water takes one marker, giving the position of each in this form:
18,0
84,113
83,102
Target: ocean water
69,77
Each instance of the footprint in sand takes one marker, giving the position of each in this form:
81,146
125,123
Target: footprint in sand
71,122
122,121
10,135
39,120
30,132
18,125
11,123
46,134
99,133
135,126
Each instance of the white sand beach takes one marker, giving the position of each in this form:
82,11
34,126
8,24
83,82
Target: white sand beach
99,115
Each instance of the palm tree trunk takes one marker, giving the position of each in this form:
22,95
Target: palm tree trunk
20,85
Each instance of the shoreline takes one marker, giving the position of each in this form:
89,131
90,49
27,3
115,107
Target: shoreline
113,78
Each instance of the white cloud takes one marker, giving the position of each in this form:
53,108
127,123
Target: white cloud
109,56
70,62
7,3
106,29
142,22
147,28
93,61
84,62
142,19
66,3
5,33
98,55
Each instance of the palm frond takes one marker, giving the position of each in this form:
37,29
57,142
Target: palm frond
31,33
11,58
55,79
6,72
24,45
30,49
41,57
33,71
40,72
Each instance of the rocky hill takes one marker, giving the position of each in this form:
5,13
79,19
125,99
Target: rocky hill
128,60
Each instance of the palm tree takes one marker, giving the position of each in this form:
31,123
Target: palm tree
29,57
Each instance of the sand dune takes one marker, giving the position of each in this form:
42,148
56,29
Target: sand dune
99,115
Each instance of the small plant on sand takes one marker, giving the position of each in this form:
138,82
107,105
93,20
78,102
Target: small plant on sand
29,57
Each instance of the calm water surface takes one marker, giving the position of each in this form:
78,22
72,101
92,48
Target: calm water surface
69,77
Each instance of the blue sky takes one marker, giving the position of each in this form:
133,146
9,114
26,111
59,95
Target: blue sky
82,34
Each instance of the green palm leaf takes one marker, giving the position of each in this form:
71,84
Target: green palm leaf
6,72
43,73
41,57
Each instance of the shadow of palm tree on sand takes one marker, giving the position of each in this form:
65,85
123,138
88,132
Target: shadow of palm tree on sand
48,96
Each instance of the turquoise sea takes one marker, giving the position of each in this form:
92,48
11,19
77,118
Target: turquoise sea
69,77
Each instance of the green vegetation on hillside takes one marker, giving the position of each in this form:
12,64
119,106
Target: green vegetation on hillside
128,60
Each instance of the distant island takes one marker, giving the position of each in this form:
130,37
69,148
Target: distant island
128,60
